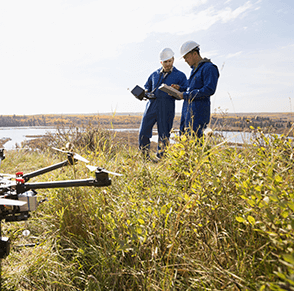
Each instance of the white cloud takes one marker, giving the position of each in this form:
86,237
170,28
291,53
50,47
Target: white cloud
65,31
234,55
191,21
46,45
258,81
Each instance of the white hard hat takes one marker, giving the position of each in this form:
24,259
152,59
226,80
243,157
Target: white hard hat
166,54
187,47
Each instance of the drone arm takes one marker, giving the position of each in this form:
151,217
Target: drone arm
42,171
101,180
63,184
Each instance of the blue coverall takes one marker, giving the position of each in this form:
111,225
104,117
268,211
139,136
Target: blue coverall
160,110
196,107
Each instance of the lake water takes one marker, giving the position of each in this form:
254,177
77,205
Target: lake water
19,134
230,136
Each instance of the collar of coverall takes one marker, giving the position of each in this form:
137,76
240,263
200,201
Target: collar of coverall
205,60
162,71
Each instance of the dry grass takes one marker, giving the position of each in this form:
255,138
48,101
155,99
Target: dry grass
206,217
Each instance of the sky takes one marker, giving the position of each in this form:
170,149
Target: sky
85,56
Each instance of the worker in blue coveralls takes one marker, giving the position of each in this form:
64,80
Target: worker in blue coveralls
161,108
201,85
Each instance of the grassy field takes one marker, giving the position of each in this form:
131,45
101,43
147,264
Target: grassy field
208,216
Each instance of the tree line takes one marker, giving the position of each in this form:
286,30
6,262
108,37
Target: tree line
234,122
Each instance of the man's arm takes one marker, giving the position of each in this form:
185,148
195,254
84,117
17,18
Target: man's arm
148,85
210,77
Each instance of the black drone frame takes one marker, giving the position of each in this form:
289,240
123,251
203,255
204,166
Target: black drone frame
19,193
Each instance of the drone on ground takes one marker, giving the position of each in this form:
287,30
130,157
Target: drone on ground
18,197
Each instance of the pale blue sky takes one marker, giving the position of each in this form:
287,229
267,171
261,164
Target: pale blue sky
81,56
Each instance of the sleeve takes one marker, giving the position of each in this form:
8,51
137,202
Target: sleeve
183,83
210,78
148,85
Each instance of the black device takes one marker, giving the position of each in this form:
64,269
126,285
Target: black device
18,197
2,156
140,93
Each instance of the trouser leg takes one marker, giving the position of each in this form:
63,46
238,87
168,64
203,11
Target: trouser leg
144,145
162,144
145,132
164,129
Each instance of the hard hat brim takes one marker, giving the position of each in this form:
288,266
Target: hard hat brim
194,45
166,59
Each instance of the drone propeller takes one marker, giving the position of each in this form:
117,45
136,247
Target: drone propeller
94,168
7,183
74,155
7,176
11,202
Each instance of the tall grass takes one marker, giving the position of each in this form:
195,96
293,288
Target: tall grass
209,216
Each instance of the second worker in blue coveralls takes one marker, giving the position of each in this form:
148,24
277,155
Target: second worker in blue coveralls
201,85
161,109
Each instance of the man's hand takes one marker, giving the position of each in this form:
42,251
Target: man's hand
178,88
175,86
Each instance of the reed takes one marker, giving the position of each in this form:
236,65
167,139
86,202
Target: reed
209,216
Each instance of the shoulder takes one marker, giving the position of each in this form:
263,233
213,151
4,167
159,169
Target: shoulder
208,66
157,72
175,70
154,74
